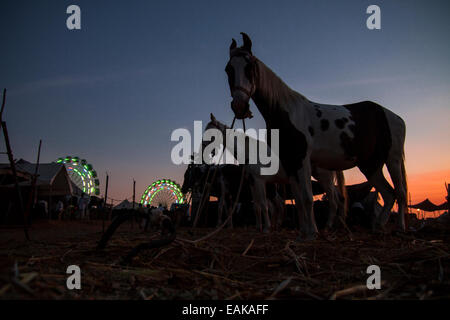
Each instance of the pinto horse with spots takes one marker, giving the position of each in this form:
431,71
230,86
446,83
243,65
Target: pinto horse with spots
333,137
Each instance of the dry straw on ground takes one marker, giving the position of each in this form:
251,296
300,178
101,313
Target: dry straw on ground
234,264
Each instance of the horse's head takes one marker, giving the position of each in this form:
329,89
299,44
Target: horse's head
241,70
194,177
216,124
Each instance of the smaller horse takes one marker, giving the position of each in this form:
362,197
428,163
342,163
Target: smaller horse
225,187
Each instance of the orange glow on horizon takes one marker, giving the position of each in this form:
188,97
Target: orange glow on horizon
420,185
429,185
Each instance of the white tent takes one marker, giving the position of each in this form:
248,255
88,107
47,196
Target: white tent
125,204
52,178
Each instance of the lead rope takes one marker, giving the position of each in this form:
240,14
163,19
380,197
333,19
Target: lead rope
200,207
207,188
232,210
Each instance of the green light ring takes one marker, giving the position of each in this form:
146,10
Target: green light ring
172,188
89,185
159,186
155,193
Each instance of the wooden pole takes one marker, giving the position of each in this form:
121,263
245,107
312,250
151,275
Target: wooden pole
3,104
16,182
134,191
110,209
12,164
409,208
207,186
33,185
447,187
50,204
105,203
132,206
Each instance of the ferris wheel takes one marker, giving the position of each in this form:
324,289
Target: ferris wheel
163,192
82,174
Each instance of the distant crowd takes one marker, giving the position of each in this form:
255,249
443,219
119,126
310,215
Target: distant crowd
66,208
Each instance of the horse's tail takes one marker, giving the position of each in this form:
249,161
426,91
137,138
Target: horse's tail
340,179
405,188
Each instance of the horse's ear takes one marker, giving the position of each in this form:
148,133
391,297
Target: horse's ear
212,117
233,45
247,42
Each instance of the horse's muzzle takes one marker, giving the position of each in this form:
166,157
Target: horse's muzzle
241,109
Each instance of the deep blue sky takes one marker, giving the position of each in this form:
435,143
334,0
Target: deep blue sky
114,91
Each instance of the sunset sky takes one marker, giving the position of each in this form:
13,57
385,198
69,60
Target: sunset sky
113,91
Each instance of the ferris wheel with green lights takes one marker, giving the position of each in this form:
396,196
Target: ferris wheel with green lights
82,174
162,192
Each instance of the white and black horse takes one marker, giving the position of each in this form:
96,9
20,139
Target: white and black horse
332,137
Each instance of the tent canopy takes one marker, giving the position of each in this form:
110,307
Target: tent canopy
52,178
125,204
427,205
443,206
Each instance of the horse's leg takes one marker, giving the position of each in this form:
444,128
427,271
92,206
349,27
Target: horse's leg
282,204
272,212
228,207
259,197
270,201
396,164
302,190
279,208
397,173
220,209
265,207
222,201
341,195
326,181
275,209
387,192
257,209
257,205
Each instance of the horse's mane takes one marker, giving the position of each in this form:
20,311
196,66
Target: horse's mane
274,90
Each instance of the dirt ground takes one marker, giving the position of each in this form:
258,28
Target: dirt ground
234,264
